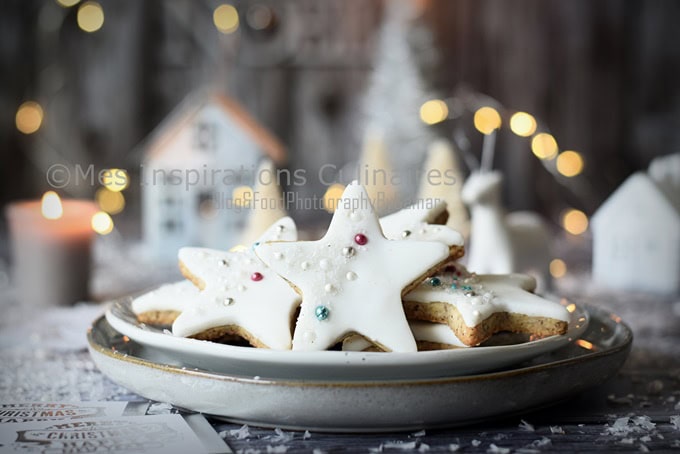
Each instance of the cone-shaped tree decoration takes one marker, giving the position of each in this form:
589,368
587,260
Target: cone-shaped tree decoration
442,179
376,172
270,204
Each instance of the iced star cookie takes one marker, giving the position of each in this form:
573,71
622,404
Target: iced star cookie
352,279
161,306
422,223
476,307
239,295
429,336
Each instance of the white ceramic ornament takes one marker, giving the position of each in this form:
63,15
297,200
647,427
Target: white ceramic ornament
501,243
636,238
239,290
352,279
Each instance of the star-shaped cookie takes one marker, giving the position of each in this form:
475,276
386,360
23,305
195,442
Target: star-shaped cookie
419,223
239,295
352,279
477,306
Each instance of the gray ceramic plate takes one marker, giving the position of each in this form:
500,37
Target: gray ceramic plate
322,365
370,405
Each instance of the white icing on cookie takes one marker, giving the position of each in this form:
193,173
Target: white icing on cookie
352,279
422,331
168,297
413,223
477,297
240,290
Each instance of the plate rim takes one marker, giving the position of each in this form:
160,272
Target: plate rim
363,383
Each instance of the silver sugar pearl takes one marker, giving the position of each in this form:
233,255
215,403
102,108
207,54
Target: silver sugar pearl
228,301
348,251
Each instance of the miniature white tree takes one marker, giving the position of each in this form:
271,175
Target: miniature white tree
442,179
376,172
270,206
396,92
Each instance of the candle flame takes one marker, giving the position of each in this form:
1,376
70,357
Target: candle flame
51,206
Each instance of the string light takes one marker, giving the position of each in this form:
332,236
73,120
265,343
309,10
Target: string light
242,196
331,197
226,19
110,201
434,111
575,221
558,268
29,117
522,124
115,179
90,17
487,119
569,163
544,146
102,223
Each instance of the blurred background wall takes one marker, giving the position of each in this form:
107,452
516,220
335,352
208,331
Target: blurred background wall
601,75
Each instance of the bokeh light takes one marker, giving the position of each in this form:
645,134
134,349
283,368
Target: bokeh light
226,19
90,17
558,268
332,196
523,124
50,206
544,146
242,196
68,3
115,179
112,202
434,111
487,119
575,221
29,117
569,163
102,223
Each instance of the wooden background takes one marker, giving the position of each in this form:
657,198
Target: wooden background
603,75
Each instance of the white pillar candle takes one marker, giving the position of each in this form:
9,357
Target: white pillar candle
51,243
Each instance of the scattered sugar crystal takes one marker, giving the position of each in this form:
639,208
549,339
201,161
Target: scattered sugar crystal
541,443
557,430
625,400
644,422
525,426
643,448
280,449
424,447
627,441
280,436
240,434
675,420
454,447
306,435
476,443
646,439
420,433
498,437
400,445
159,408
497,449
378,449
620,427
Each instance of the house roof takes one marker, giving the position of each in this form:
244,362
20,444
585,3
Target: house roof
191,105
620,200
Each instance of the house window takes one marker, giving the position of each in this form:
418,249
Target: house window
205,136
206,205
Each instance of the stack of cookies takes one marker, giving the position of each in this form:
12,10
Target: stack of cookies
389,284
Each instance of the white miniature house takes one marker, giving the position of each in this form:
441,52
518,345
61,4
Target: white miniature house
192,163
636,238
